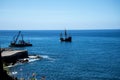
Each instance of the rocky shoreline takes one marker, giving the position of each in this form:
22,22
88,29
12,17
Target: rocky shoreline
10,57
13,56
3,73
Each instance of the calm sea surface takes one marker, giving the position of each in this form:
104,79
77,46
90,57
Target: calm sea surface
92,54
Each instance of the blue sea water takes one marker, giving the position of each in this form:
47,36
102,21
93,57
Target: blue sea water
92,54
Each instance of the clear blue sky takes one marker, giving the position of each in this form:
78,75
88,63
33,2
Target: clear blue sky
59,14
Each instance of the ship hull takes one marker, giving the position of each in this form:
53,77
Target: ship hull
69,39
19,45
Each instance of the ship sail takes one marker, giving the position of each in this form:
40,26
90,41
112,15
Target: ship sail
66,38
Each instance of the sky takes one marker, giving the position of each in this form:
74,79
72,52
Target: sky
59,14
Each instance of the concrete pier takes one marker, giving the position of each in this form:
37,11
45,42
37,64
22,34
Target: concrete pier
14,55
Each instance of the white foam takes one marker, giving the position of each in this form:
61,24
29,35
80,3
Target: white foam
32,60
12,65
47,57
31,56
14,72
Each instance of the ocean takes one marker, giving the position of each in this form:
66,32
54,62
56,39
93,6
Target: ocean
92,54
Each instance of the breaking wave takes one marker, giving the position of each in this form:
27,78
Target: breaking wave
32,59
47,57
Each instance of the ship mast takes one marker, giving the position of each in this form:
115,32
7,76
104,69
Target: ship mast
65,33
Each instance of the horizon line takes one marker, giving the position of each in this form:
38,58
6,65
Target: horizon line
55,29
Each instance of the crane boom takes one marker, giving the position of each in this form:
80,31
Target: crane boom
17,36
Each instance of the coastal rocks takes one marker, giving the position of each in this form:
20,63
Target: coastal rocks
29,59
22,60
14,56
10,58
3,73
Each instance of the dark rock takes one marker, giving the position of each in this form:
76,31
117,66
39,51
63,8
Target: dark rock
14,57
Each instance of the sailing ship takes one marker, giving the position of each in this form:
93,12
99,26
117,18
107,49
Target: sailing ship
19,43
66,37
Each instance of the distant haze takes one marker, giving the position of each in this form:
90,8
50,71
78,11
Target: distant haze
59,14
